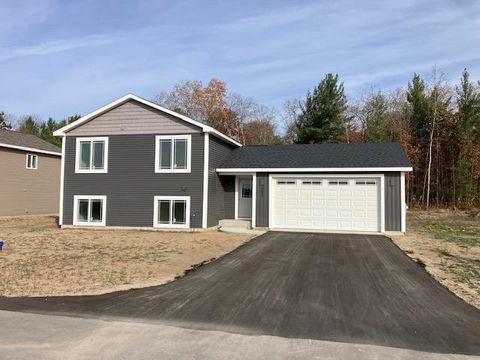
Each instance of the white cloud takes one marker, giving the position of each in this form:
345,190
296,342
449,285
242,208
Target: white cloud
55,46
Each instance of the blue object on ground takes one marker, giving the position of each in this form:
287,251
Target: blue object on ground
1,244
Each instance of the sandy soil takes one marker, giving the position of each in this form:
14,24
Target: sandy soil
39,259
453,265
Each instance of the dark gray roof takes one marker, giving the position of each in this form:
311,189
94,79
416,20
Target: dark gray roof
317,156
16,138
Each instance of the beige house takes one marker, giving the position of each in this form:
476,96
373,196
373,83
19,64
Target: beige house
29,175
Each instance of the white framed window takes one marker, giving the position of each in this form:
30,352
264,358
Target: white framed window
171,211
32,161
91,155
89,210
172,153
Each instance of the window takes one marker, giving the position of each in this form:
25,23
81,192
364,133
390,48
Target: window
172,153
32,161
246,190
313,182
286,182
92,155
338,182
89,210
364,182
171,211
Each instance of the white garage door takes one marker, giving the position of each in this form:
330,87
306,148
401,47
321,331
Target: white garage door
335,204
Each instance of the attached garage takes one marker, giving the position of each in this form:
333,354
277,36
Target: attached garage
351,188
352,204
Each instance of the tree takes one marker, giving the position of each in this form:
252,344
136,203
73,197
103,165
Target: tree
467,170
4,124
371,116
439,101
215,106
261,132
324,116
291,112
29,125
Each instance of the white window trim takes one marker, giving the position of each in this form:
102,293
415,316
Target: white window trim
176,226
36,162
105,156
89,197
157,153
381,177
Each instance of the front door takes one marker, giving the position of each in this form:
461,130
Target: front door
245,198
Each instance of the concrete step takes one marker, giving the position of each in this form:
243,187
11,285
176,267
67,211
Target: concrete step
241,230
231,223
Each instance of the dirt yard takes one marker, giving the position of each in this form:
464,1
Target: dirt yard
39,259
448,243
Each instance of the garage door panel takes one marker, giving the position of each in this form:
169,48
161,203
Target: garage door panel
326,204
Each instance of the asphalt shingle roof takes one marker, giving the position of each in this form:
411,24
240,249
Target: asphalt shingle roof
317,156
16,138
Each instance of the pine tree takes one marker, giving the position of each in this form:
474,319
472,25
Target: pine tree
324,116
29,126
375,117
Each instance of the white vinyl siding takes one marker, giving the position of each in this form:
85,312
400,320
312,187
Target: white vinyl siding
91,155
172,153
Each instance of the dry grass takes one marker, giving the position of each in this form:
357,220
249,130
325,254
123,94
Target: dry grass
39,259
448,243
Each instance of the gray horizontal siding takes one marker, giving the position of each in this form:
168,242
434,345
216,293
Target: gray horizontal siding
131,182
393,203
133,117
219,192
392,199
262,200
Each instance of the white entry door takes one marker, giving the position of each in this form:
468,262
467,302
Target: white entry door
331,204
245,198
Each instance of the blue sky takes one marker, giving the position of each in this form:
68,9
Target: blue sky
59,58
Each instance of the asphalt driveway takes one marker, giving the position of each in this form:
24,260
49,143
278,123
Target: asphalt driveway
346,288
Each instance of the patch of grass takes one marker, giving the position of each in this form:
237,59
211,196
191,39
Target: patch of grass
444,252
466,271
449,229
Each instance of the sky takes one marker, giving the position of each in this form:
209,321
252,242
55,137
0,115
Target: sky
59,58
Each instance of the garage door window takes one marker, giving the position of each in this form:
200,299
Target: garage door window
361,182
314,182
338,182
285,182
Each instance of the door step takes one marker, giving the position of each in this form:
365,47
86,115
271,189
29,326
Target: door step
231,223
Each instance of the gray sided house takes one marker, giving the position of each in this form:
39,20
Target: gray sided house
133,163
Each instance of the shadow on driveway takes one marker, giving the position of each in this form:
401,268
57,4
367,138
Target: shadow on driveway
346,288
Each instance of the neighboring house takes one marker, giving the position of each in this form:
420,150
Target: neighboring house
133,163
29,174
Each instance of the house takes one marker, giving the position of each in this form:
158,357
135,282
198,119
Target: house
133,163
29,174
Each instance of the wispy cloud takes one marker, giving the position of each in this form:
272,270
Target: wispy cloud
54,46
271,50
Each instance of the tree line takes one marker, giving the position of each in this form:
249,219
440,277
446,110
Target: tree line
437,123
31,124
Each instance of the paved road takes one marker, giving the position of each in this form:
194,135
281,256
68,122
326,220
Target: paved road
344,288
47,337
